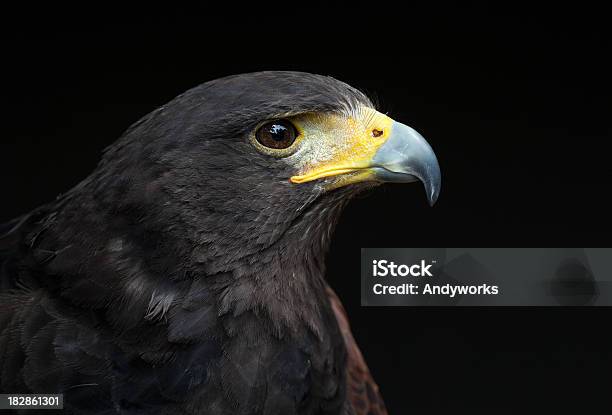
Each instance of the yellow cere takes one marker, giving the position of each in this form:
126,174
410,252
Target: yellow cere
339,144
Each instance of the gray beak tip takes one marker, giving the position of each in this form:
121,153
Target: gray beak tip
406,156
432,184
432,194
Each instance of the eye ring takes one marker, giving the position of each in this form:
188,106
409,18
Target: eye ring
276,135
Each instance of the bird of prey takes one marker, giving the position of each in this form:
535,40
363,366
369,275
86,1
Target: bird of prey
185,274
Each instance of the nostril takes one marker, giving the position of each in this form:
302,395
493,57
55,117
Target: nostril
376,133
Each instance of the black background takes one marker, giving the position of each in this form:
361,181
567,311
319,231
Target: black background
515,102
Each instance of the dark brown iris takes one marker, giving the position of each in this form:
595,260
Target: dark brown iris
276,134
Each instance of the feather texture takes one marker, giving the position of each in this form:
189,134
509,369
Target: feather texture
185,274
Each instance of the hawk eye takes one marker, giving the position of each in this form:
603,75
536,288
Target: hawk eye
278,134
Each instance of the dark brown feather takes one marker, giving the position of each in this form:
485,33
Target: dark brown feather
361,390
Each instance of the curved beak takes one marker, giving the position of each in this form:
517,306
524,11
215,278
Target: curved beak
377,149
406,157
